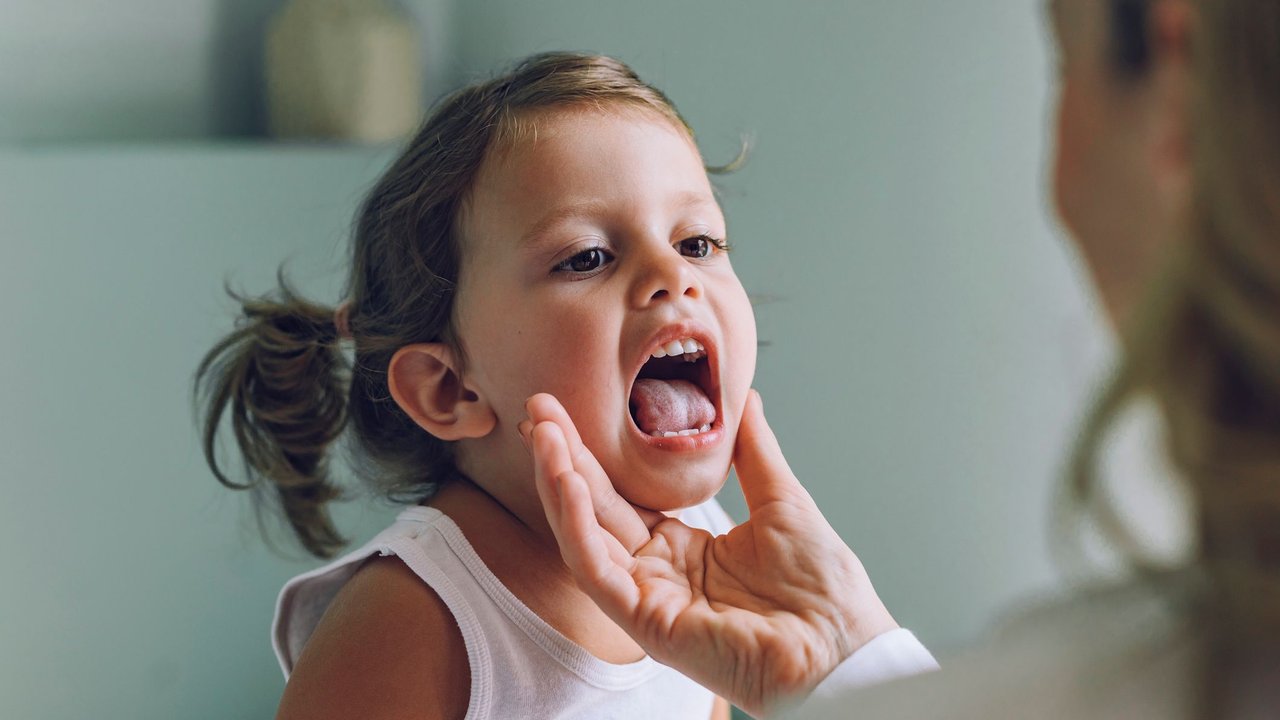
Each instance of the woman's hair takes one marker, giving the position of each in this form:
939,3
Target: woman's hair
1204,342
282,374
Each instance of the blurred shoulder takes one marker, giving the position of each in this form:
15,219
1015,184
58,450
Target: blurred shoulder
1114,651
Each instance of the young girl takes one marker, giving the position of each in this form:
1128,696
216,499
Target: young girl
551,230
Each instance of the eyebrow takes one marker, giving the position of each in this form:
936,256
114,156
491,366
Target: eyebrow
561,215
595,208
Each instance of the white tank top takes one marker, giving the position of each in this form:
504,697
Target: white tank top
520,665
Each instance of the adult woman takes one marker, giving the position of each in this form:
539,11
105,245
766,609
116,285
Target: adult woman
1167,171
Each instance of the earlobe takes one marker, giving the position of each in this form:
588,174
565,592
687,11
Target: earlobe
425,383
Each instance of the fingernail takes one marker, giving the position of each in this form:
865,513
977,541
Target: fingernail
525,427
758,396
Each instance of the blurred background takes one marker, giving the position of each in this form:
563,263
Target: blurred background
931,342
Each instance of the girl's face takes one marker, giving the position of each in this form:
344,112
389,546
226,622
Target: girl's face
588,249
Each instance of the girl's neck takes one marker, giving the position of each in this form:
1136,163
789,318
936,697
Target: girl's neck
523,555
480,514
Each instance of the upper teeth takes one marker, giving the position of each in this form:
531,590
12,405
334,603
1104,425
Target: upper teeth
687,346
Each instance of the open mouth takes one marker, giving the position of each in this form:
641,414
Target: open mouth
674,394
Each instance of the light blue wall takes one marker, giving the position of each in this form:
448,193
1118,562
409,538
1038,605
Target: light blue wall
134,586
929,343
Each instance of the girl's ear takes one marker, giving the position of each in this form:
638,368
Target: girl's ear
424,382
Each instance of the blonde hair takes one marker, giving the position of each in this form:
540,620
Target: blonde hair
1204,342
281,375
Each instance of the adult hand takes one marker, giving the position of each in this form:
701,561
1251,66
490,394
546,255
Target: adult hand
759,615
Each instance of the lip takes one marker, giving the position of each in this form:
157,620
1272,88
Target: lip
684,443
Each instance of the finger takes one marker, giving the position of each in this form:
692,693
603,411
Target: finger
525,430
762,470
551,460
546,455
603,575
550,449
544,407
616,553
623,520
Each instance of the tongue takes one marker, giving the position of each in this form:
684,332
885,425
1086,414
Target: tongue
670,405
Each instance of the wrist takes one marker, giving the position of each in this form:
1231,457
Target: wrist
834,633
852,610
865,623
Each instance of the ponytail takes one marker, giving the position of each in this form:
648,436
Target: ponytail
281,375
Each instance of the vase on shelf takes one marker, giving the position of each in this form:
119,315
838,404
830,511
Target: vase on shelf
348,70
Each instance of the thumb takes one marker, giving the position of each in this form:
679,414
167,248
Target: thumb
762,470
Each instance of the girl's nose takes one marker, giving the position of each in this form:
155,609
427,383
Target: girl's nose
664,274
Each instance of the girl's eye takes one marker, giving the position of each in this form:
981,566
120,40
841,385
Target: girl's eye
700,246
585,262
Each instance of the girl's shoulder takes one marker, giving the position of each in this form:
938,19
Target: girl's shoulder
387,646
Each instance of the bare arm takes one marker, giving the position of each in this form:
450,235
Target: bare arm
387,649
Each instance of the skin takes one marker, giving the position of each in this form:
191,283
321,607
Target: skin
387,647
759,615
642,197
1120,169
764,613
579,247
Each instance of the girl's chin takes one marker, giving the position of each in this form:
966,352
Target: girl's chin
662,495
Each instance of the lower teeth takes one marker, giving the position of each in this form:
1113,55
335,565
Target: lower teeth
682,433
